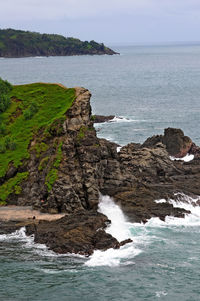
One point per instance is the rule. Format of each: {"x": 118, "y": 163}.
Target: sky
{"x": 108, "y": 21}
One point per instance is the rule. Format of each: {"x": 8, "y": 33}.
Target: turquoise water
{"x": 151, "y": 88}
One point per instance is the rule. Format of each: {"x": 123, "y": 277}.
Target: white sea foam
{"x": 17, "y": 235}
{"x": 120, "y": 229}
{"x": 120, "y": 119}
{"x": 113, "y": 257}
{"x": 160, "y": 201}
{"x": 187, "y": 158}
{"x": 182, "y": 201}
{"x": 160, "y": 294}
{"x": 36, "y": 248}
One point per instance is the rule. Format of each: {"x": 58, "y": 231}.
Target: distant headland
{"x": 19, "y": 43}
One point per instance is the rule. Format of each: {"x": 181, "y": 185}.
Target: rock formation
{"x": 135, "y": 177}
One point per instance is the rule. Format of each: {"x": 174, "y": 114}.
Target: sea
{"x": 147, "y": 89}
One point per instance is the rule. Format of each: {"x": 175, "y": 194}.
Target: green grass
{"x": 52, "y": 102}
{"x": 81, "y": 133}
{"x": 12, "y": 186}
{"x": 53, "y": 172}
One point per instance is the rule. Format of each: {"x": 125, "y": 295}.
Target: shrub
{"x": 4, "y": 102}
{"x": 31, "y": 111}
{"x": 2, "y": 148}
{"x": 9, "y": 143}
{"x": 2, "y": 129}
{"x": 5, "y": 86}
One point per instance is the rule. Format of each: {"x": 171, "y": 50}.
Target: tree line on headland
{"x": 19, "y": 43}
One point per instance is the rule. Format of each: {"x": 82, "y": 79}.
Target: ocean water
{"x": 151, "y": 88}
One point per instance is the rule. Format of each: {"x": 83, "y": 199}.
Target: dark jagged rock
{"x": 177, "y": 144}
{"x": 9, "y": 227}
{"x": 101, "y": 118}
{"x": 194, "y": 150}
{"x": 81, "y": 233}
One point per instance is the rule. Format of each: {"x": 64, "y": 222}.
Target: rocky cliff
{"x": 68, "y": 166}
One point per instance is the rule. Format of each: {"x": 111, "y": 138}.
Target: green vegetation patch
{"x": 39, "y": 148}
{"x": 43, "y": 163}
{"x": 81, "y": 133}
{"x": 53, "y": 172}
{"x": 5, "y": 88}
{"x": 52, "y": 102}
{"x": 12, "y": 186}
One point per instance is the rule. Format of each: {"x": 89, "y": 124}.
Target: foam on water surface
{"x": 141, "y": 234}
{"x": 187, "y": 158}
{"x": 120, "y": 229}
{"x": 184, "y": 202}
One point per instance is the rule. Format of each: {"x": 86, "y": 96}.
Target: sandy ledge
{"x": 20, "y": 213}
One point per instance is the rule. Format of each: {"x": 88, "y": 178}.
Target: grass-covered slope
{"x": 18, "y": 43}
{"x": 33, "y": 110}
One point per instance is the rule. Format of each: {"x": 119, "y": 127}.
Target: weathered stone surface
{"x": 81, "y": 233}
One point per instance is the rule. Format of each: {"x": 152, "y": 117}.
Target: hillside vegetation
{"x": 33, "y": 113}
{"x": 18, "y": 43}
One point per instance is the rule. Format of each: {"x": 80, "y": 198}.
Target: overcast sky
{"x": 109, "y": 21}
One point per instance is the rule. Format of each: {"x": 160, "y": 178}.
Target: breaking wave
{"x": 187, "y": 158}
{"x": 125, "y": 119}
{"x": 182, "y": 201}
{"x": 119, "y": 228}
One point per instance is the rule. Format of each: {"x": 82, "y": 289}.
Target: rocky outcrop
{"x": 85, "y": 166}
{"x": 177, "y": 144}
{"x": 102, "y": 118}
{"x": 80, "y": 233}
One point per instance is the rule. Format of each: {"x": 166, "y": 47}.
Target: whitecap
{"x": 187, "y": 158}
{"x": 119, "y": 148}
{"x": 36, "y": 248}
{"x": 160, "y": 294}
{"x": 120, "y": 119}
{"x": 160, "y": 201}
{"x": 119, "y": 228}
{"x": 113, "y": 257}
{"x": 182, "y": 201}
